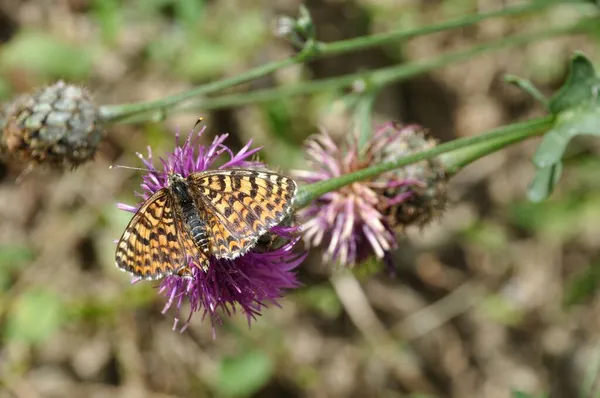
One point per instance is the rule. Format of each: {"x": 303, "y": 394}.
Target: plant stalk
{"x": 381, "y": 77}
{"x": 114, "y": 113}
{"x": 497, "y": 139}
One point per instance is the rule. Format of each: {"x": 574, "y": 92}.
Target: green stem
{"x": 518, "y": 131}
{"x": 380, "y": 39}
{"x": 381, "y": 77}
{"x": 363, "y": 116}
{"x": 456, "y": 160}
{"x": 319, "y": 50}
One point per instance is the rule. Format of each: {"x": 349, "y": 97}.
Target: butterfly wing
{"x": 153, "y": 244}
{"x": 239, "y": 206}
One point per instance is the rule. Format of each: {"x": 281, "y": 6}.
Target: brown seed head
{"x": 56, "y": 126}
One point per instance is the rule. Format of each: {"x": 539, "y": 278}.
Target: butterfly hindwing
{"x": 150, "y": 247}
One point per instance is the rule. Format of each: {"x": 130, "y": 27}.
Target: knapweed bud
{"x": 56, "y": 126}
{"x": 416, "y": 193}
{"x": 300, "y": 32}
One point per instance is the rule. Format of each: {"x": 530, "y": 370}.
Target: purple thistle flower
{"x": 249, "y": 282}
{"x": 359, "y": 220}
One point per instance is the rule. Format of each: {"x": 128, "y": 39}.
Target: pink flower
{"x": 249, "y": 282}
{"x": 359, "y": 220}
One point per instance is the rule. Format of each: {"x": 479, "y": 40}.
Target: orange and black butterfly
{"x": 219, "y": 213}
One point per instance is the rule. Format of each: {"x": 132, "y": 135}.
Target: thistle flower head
{"x": 360, "y": 220}
{"x": 249, "y": 282}
{"x": 57, "y": 126}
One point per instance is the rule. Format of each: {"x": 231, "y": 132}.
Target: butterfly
{"x": 219, "y": 213}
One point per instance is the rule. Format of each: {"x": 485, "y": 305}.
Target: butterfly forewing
{"x": 150, "y": 246}
{"x": 240, "y": 205}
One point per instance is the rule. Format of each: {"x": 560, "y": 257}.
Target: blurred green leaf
{"x": 5, "y": 89}
{"x": 250, "y": 32}
{"x": 581, "y": 86}
{"x": 208, "y": 59}
{"x": 522, "y": 394}
{"x": 189, "y": 12}
{"x": 244, "y": 375}
{"x": 279, "y": 117}
{"x": 544, "y": 182}
{"x": 45, "y": 55}
{"x": 559, "y": 219}
{"x": 107, "y": 14}
{"x": 323, "y": 299}
{"x": 501, "y": 310}
{"x": 12, "y": 258}
{"x": 553, "y": 218}
{"x": 34, "y": 317}
{"x": 582, "y": 286}
{"x": 487, "y": 235}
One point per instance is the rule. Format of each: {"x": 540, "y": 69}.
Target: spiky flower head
{"x": 361, "y": 219}
{"x": 57, "y": 126}
{"x": 247, "y": 283}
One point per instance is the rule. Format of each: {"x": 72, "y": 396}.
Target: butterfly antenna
{"x": 118, "y": 166}
{"x": 200, "y": 120}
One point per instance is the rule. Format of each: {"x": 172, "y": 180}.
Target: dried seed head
{"x": 55, "y": 126}
{"x": 421, "y": 193}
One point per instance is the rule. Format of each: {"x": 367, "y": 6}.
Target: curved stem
{"x": 382, "y": 76}
{"x": 364, "y": 42}
{"x": 456, "y": 160}
{"x": 518, "y": 132}
{"x": 319, "y": 50}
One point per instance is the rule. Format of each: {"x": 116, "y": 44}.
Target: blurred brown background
{"x": 498, "y": 294}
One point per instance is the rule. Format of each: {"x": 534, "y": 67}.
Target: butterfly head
{"x": 175, "y": 178}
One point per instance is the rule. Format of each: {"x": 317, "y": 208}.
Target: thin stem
{"x": 116, "y": 112}
{"x": 364, "y": 42}
{"x": 528, "y": 129}
{"x": 319, "y": 50}
{"x": 381, "y": 77}
{"x": 528, "y": 87}
{"x": 363, "y": 117}
{"x": 456, "y": 160}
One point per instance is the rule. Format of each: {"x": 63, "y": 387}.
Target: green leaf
{"x": 581, "y": 86}
{"x": 583, "y": 120}
{"x": 322, "y": 299}
{"x": 520, "y": 394}
{"x": 544, "y": 182}
{"x": 34, "y": 317}
{"x": 577, "y": 113}
{"x": 107, "y": 13}
{"x": 12, "y": 258}
{"x": 583, "y": 286}
{"x": 45, "y": 55}
{"x": 244, "y": 375}
{"x": 528, "y": 87}
{"x": 279, "y": 118}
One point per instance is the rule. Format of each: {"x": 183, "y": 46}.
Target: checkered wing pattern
{"x": 239, "y": 206}
{"x": 155, "y": 242}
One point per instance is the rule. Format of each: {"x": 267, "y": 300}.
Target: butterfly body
{"x": 217, "y": 213}
{"x": 188, "y": 210}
